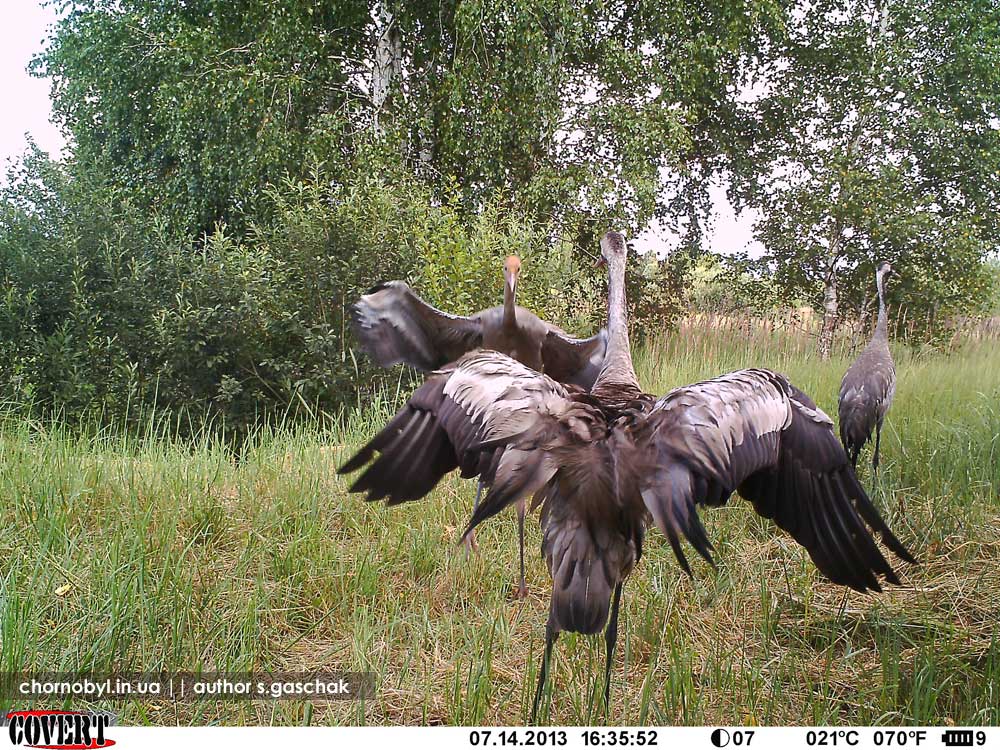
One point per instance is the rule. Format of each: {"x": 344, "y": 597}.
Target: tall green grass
{"x": 179, "y": 557}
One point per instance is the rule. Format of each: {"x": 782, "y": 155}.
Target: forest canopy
{"x": 239, "y": 172}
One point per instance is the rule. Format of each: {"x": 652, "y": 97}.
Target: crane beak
{"x": 601, "y": 262}
{"x": 511, "y": 279}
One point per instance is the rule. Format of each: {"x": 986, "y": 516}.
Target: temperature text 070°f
{"x": 899, "y": 737}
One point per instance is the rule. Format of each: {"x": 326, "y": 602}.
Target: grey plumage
{"x": 604, "y": 465}
{"x": 394, "y": 325}
{"x": 869, "y": 385}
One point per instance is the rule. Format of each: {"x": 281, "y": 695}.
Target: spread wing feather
{"x": 576, "y": 361}
{"x": 754, "y": 432}
{"x": 486, "y": 414}
{"x": 525, "y": 435}
{"x": 394, "y": 325}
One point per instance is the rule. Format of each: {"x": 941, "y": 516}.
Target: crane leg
{"x": 522, "y": 591}
{"x": 471, "y": 545}
{"x": 551, "y": 634}
{"x": 878, "y": 439}
{"x": 610, "y": 639}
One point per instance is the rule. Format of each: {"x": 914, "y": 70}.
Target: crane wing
{"x": 486, "y": 414}
{"x": 394, "y": 325}
{"x": 754, "y": 432}
{"x": 576, "y": 361}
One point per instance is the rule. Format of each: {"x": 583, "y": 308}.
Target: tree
{"x": 573, "y": 110}
{"x": 875, "y": 137}
{"x": 193, "y": 108}
{"x": 599, "y": 113}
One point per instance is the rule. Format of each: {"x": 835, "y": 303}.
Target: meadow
{"x": 147, "y": 553}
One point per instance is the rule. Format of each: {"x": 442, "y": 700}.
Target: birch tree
{"x": 876, "y": 137}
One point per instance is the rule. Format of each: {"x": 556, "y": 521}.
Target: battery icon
{"x": 957, "y": 738}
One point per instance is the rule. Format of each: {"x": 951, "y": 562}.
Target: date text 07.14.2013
{"x": 560, "y": 737}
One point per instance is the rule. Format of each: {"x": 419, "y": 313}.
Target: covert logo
{"x": 58, "y": 730}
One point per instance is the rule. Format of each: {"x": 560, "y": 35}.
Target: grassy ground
{"x": 168, "y": 557}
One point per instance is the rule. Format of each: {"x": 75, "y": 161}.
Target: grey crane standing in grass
{"x": 604, "y": 464}
{"x": 394, "y": 325}
{"x": 869, "y": 384}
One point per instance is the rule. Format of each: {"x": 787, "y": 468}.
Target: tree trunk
{"x": 829, "y": 316}
{"x": 388, "y": 60}
{"x": 830, "y": 299}
{"x": 426, "y": 155}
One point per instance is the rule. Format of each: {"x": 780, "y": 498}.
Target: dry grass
{"x": 179, "y": 558}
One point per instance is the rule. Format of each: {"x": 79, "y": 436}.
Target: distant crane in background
{"x": 869, "y": 384}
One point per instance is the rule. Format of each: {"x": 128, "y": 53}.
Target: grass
{"x": 178, "y": 558}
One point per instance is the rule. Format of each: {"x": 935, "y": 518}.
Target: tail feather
{"x": 857, "y": 420}
{"x": 581, "y": 592}
{"x": 586, "y": 562}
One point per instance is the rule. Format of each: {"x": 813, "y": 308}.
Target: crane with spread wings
{"x": 605, "y": 465}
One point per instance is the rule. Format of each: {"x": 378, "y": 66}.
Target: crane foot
{"x": 471, "y": 545}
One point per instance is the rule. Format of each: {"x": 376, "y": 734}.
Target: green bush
{"x": 105, "y": 310}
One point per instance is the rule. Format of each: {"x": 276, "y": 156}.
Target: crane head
{"x": 612, "y": 246}
{"x": 511, "y": 270}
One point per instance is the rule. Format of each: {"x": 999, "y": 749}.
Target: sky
{"x": 26, "y": 99}
{"x": 728, "y": 232}
{"x": 23, "y": 31}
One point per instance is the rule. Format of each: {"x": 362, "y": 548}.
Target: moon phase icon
{"x": 720, "y": 738}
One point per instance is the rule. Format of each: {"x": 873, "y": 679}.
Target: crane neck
{"x": 509, "y": 308}
{"x": 617, "y": 376}
{"x": 882, "y": 326}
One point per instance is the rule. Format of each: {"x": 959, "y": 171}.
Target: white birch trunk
{"x": 388, "y": 60}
